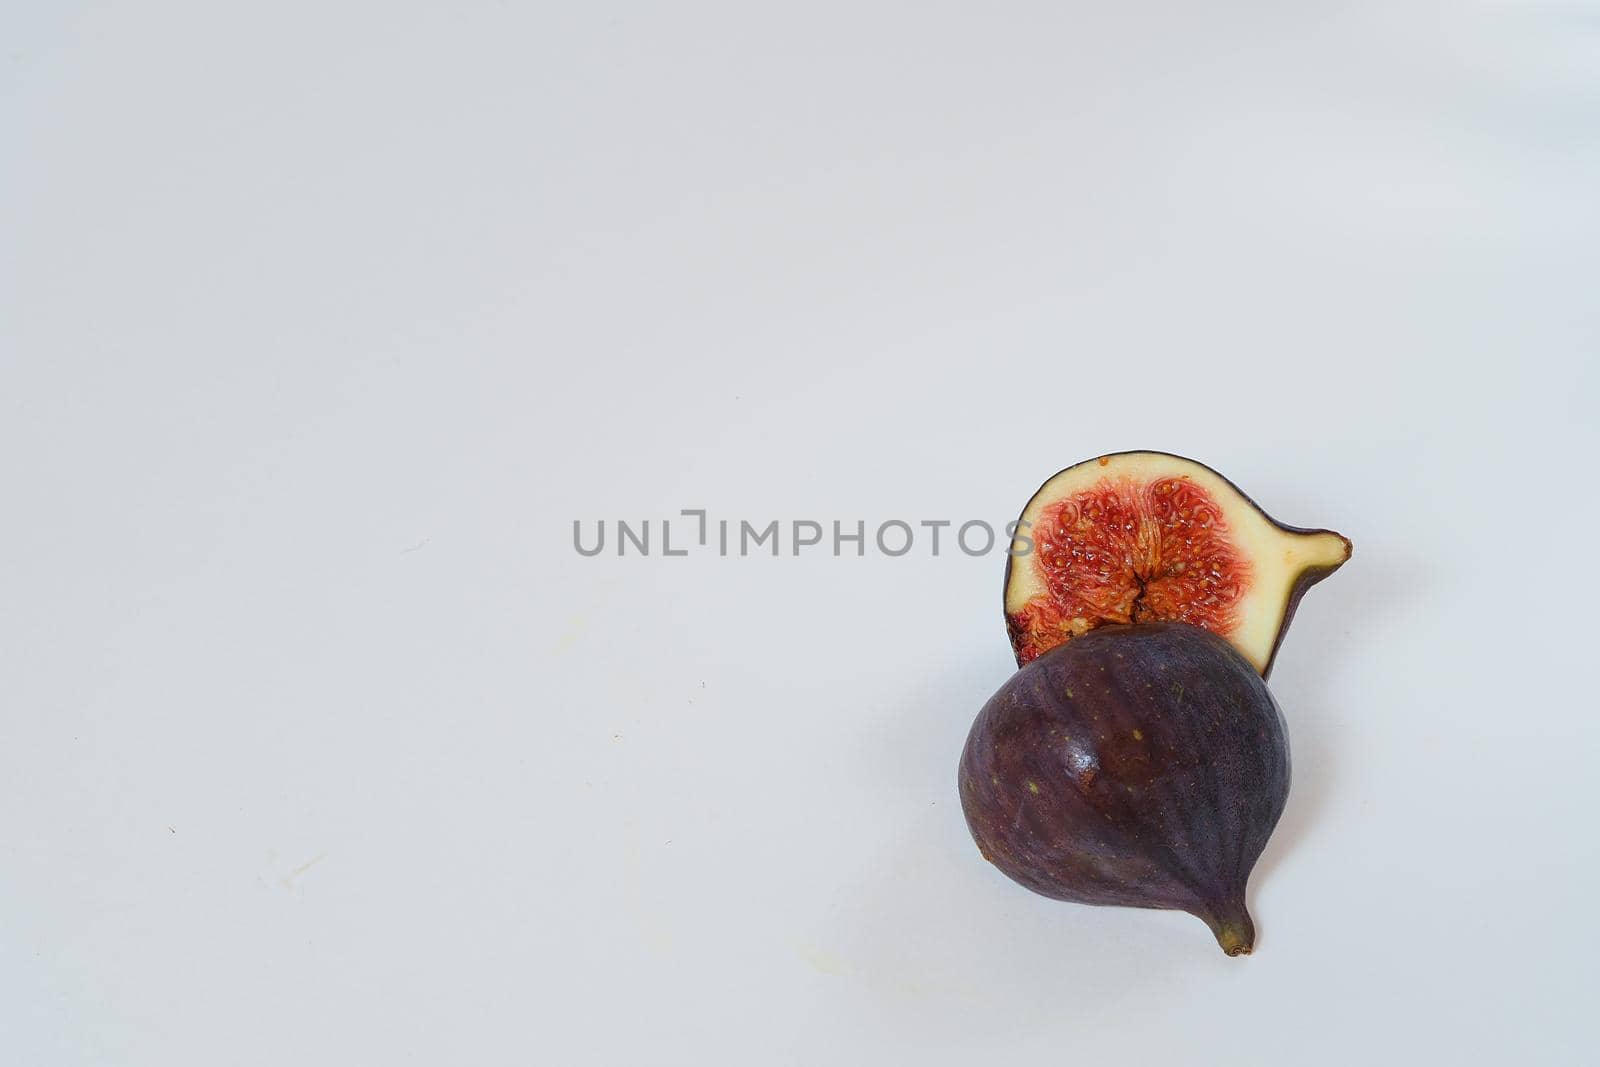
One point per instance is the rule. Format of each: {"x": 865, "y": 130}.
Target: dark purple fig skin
{"x": 1142, "y": 766}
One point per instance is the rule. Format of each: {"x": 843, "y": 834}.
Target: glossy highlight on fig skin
{"x": 1142, "y": 766}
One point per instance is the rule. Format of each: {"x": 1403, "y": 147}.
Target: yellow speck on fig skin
{"x": 1033, "y": 787}
{"x": 1138, "y": 735}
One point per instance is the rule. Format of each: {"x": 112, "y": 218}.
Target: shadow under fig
{"x": 1321, "y": 644}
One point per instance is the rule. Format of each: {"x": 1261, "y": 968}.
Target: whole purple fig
{"x": 1143, "y": 766}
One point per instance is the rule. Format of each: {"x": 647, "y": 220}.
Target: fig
{"x": 1140, "y": 765}
{"x": 1140, "y": 537}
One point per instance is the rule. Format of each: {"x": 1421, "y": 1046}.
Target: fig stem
{"x": 1233, "y": 927}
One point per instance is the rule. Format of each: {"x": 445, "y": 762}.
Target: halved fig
{"x": 1149, "y": 537}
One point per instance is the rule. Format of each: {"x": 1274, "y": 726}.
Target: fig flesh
{"x": 1146, "y": 537}
{"x": 1143, "y": 766}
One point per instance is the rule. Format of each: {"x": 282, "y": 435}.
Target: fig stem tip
{"x": 1234, "y": 940}
{"x": 1235, "y": 931}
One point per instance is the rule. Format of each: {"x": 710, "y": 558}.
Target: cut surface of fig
{"x": 1139, "y": 537}
{"x": 1142, "y": 766}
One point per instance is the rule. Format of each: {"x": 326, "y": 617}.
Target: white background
{"x": 321, "y": 323}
